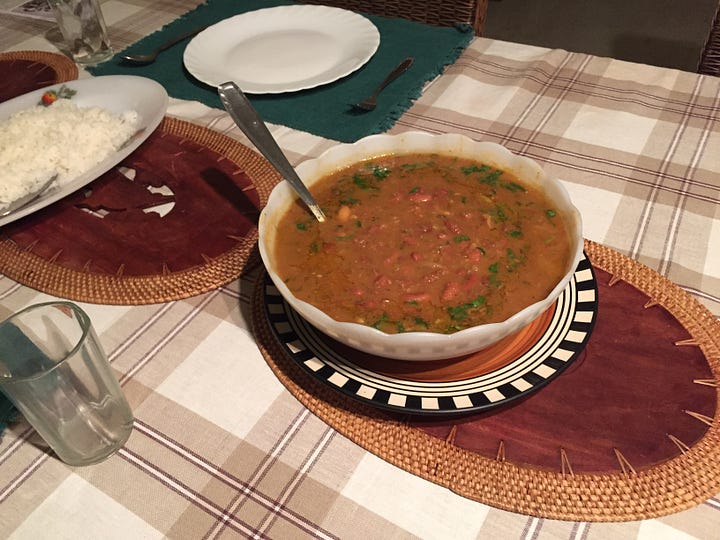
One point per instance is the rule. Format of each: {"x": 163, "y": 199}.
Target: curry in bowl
{"x": 422, "y": 240}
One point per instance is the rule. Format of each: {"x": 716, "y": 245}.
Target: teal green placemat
{"x": 324, "y": 110}
{"x": 7, "y": 413}
{"x": 19, "y": 355}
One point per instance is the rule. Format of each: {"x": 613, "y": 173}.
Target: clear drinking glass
{"x": 55, "y": 372}
{"x": 83, "y": 29}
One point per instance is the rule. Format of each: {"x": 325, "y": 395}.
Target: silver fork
{"x": 26, "y": 199}
{"x": 370, "y": 103}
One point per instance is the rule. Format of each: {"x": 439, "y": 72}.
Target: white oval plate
{"x": 282, "y": 49}
{"x": 114, "y": 93}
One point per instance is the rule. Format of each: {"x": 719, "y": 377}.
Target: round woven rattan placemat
{"x": 133, "y": 257}
{"x": 25, "y": 71}
{"x": 690, "y": 476}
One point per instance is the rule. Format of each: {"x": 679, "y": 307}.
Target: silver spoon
{"x": 149, "y": 58}
{"x": 370, "y": 103}
{"x": 26, "y": 199}
{"x": 249, "y": 121}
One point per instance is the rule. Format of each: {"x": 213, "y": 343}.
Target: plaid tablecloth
{"x": 221, "y": 449}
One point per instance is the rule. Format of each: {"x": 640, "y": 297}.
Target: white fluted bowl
{"x": 418, "y": 346}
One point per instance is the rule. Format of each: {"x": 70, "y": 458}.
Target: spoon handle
{"x": 249, "y": 121}
{"x": 26, "y": 199}
{"x": 178, "y": 39}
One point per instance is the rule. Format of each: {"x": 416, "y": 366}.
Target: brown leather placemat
{"x": 102, "y": 244}
{"x": 25, "y": 71}
{"x": 629, "y": 431}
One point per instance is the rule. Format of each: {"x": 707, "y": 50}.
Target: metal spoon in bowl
{"x": 249, "y": 121}
{"x": 26, "y": 199}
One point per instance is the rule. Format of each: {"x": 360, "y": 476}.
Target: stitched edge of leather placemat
{"x": 671, "y": 486}
{"x": 48, "y": 276}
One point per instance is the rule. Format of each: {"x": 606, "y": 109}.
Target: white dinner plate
{"x": 282, "y": 49}
{"x": 114, "y": 93}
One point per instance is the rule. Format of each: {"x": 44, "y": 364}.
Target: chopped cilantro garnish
{"x": 363, "y": 182}
{"x": 380, "y": 172}
{"x": 461, "y": 238}
{"x": 414, "y": 190}
{"x": 349, "y": 202}
{"x": 512, "y": 186}
{"x": 380, "y": 321}
{"x": 415, "y": 166}
{"x": 474, "y": 169}
{"x": 301, "y": 226}
{"x": 459, "y": 313}
{"x": 514, "y": 259}
{"x": 515, "y": 233}
{"x": 419, "y": 321}
{"x": 550, "y": 213}
{"x": 498, "y": 213}
{"x": 314, "y": 248}
{"x": 491, "y": 178}
{"x": 494, "y": 280}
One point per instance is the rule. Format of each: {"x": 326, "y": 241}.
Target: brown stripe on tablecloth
{"x": 555, "y": 99}
{"x": 679, "y": 203}
{"x": 116, "y": 345}
{"x": 256, "y": 478}
{"x": 157, "y": 349}
{"x": 21, "y": 29}
{"x": 570, "y": 160}
{"x": 653, "y": 101}
{"x": 179, "y": 475}
{"x": 183, "y": 494}
{"x": 290, "y": 487}
{"x": 25, "y": 459}
{"x": 237, "y": 471}
{"x": 645, "y": 222}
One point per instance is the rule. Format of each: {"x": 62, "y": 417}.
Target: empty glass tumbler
{"x": 55, "y": 372}
{"x": 83, "y": 29}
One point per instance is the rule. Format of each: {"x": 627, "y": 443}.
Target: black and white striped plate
{"x": 568, "y": 332}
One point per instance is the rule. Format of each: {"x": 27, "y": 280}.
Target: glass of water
{"x": 83, "y": 29}
{"x": 53, "y": 369}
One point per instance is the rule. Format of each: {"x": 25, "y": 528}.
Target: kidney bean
{"x": 450, "y": 291}
{"x": 417, "y": 297}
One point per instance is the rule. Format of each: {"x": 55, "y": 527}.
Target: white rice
{"x": 62, "y": 139}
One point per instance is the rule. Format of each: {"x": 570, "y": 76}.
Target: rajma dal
{"x": 423, "y": 242}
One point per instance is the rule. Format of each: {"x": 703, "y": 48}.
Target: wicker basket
{"x": 435, "y": 12}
